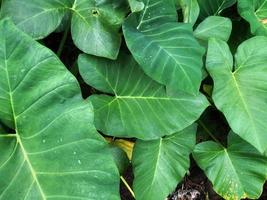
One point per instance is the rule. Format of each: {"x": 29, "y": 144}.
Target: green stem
{"x": 8, "y": 135}
{"x": 208, "y": 131}
{"x": 127, "y": 186}
{"x": 63, "y": 40}
{"x": 74, "y": 69}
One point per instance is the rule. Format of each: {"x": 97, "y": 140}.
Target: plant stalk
{"x": 63, "y": 40}
{"x": 208, "y": 131}
{"x": 127, "y": 186}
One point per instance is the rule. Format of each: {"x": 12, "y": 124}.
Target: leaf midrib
{"x": 233, "y": 168}
{"x": 154, "y": 171}
{"x": 24, "y": 152}
{"x": 209, "y": 28}
{"x": 247, "y": 110}
{"x": 116, "y": 98}
{"x": 144, "y": 13}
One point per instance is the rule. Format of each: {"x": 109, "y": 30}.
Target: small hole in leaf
{"x": 95, "y": 12}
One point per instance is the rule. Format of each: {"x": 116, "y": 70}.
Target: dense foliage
{"x": 155, "y": 84}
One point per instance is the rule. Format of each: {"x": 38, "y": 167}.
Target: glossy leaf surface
{"x": 137, "y": 106}
{"x": 160, "y": 164}
{"x": 56, "y": 152}
{"x": 94, "y": 24}
{"x": 166, "y": 50}
{"x": 237, "y": 171}
{"x": 38, "y": 18}
{"x": 240, "y": 91}
{"x": 214, "y": 27}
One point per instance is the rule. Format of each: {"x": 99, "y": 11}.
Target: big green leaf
{"x": 213, "y": 7}
{"x": 94, "y": 24}
{"x": 190, "y": 10}
{"x": 56, "y": 152}
{"x": 137, "y": 106}
{"x": 166, "y": 50}
{"x": 36, "y": 17}
{"x": 255, "y": 12}
{"x": 160, "y": 164}
{"x": 237, "y": 171}
{"x": 240, "y": 93}
{"x": 214, "y": 26}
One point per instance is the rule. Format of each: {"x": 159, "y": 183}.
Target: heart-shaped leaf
{"x": 214, "y": 27}
{"x": 237, "y": 171}
{"x": 94, "y": 24}
{"x": 159, "y": 165}
{"x": 241, "y": 93}
{"x": 141, "y": 107}
{"x": 56, "y": 152}
{"x": 166, "y": 50}
{"x": 255, "y": 12}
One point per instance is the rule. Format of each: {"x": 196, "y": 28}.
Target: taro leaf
{"x": 164, "y": 48}
{"x": 138, "y": 106}
{"x": 241, "y": 94}
{"x": 56, "y": 152}
{"x": 237, "y": 171}
{"x": 160, "y": 164}
{"x": 255, "y": 12}
{"x": 38, "y": 18}
{"x": 190, "y": 10}
{"x": 94, "y": 24}
{"x": 213, "y": 7}
{"x": 136, "y": 5}
{"x": 214, "y": 27}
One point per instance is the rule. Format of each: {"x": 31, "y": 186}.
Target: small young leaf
{"x": 141, "y": 107}
{"x": 159, "y": 165}
{"x": 56, "y": 152}
{"x": 238, "y": 171}
{"x": 241, "y": 94}
{"x": 214, "y": 27}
